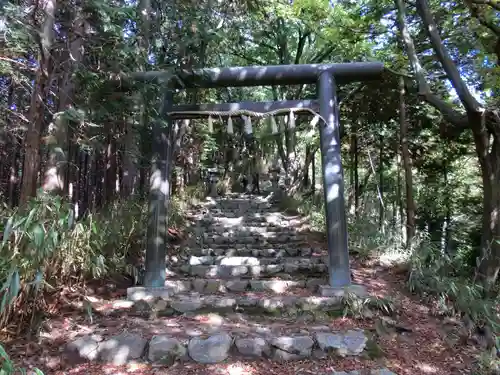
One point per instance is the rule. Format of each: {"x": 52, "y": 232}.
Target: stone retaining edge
{"x": 165, "y": 349}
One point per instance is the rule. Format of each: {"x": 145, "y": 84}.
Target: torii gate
{"x": 326, "y": 76}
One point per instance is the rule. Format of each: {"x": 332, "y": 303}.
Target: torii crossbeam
{"x": 326, "y": 76}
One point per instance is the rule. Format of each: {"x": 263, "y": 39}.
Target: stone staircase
{"x": 246, "y": 286}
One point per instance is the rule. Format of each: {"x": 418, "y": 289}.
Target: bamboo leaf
{"x": 15, "y": 285}
{"x": 38, "y": 235}
{"x": 7, "y": 231}
{"x": 3, "y": 353}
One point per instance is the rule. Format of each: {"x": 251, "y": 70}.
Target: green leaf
{"x": 38, "y": 235}
{"x": 15, "y": 285}
{"x": 29, "y": 219}
{"x": 3, "y": 353}
{"x": 71, "y": 218}
{"x": 54, "y": 236}
{"x": 7, "y": 230}
{"x": 6, "y": 285}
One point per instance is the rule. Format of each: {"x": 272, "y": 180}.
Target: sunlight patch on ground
{"x": 394, "y": 256}
{"x": 427, "y": 368}
{"x": 237, "y": 369}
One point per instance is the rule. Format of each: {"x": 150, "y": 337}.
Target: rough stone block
{"x": 289, "y": 347}
{"x": 239, "y": 261}
{"x": 352, "y": 342}
{"x": 139, "y": 293}
{"x": 291, "y": 267}
{"x": 165, "y": 350}
{"x": 187, "y": 304}
{"x": 328, "y": 291}
{"x": 121, "y": 349}
{"x": 211, "y": 350}
{"x": 85, "y": 348}
{"x": 275, "y": 303}
{"x": 199, "y": 285}
{"x": 313, "y": 284}
{"x": 276, "y": 286}
{"x": 201, "y": 261}
{"x": 283, "y": 356}
{"x": 306, "y": 252}
{"x": 237, "y": 285}
{"x": 274, "y": 268}
{"x": 253, "y": 347}
{"x": 178, "y": 286}
{"x": 214, "y": 286}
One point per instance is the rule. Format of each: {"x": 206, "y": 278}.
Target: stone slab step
{"x": 165, "y": 349}
{"x": 249, "y": 232}
{"x": 247, "y": 208}
{"x": 214, "y": 286}
{"x": 249, "y": 237}
{"x": 271, "y": 270}
{"x": 256, "y": 240}
{"x": 236, "y": 223}
{"x": 275, "y": 251}
{"x": 255, "y": 246}
{"x": 250, "y": 229}
{"x": 301, "y": 262}
{"x": 243, "y": 215}
{"x": 144, "y": 300}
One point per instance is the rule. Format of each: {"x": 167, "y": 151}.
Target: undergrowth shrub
{"x": 444, "y": 280}
{"x": 8, "y": 367}
{"x": 310, "y": 206}
{"x": 44, "y": 249}
{"x": 365, "y": 237}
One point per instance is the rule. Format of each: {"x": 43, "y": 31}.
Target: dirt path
{"x": 424, "y": 350}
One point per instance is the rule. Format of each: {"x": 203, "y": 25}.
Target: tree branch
{"x": 248, "y": 58}
{"x": 322, "y": 55}
{"x": 463, "y": 92}
{"x": 495, "y": 4}
{"x": 481, "y": 17}
{"x": 424, "y": 91}
{"x": 300, "y": 46}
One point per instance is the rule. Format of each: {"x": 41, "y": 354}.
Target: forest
{"x": 420, "y": 154}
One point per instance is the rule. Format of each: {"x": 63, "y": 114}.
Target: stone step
{"x": 165, "y": 349}
{"x": 300, "y": 262}
{"x": 271, "y": 270}
{"x": 268, "y": 230}
{"x": 256, "y": 246}
{"x": 255, "y": 251}
{"x": 214, "y": 286}
{"x": 207, "y": 224}
{"x": 256, "y": 239}
{"x": 243, "y": 215}
{"x": 236, "y": 234}
{"x": 143, "y": 301}
{"x": 248, "y": 208}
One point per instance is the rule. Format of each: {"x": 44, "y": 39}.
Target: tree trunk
{"x": 355, "y": 164}
{"x": 381, "y": 212}
{"x": 405, "y": 154}
{"x": 31, "y": 165}
{"x": 111, "y": 169}
{"x": 57, "y": 170}
{"x": 313, "y": 167}
{"x": 489, "y": 261}
{"x": 305, "y": 175}
{"x": 399, "y": 209}
{"x": 129, "y": 160}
